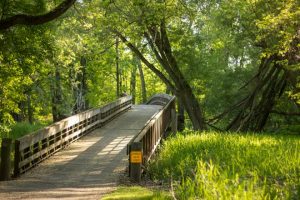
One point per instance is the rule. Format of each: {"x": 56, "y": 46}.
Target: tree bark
{"x": 29, "y": 109}
{"x": 143, "y": 82}
{"x": 57, "y": 97}
{"x": 159, "y": 42}
{"x": 133, "y": 83}
{"x": 180, "y": 116}
{"x": 23, "y": 19}
{"x": 117, "y": 69}
{"x": 81, "y": 88}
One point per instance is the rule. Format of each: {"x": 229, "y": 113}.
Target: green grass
{"x": 231, "y": 166}
{"x": 18, "y": 130}
{"x": 136, "y": 193}
{"x": 23, "y": 128}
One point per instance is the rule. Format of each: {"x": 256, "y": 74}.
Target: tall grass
{"x": 23, "y": 128}
{"x": 231, "y": 166}
{"x": 20, "y": 129}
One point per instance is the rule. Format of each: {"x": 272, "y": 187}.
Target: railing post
{"x": 17, "y": 158}
{"x": 5, "y": 159}
{"x": 135, "y": 161}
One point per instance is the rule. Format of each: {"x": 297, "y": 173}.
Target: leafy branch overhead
{"x": 24, "y": 19}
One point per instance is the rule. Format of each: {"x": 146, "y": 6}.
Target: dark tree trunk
{"x": 133, "y": 83}
{"x": 180, "y": 116}
{"x": 57, "y": 98}
{"x": 20, "y": 116}
{"x": 117, "y": 68}
{"x": 143, "y": 83}
{"x": 81, "y": 88}
{"x": 162, "y": 48}
{"x": 254, "y": 110}
{"x": 159, "y": 43}
{"x": 29, "y": 109}
{"x": 192, "y": 107}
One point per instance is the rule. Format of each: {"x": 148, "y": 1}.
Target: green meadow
{"x": 215, "y": 165}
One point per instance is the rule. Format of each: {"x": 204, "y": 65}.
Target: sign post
{"x": 135, "y": 159}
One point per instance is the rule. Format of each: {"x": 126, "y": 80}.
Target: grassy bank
{"x": 231, "y": 166}
{"x": 136, "y": 193}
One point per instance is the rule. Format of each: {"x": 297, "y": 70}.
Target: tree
{"x": 273, "y": 28}
{"x": 153, "y": 26}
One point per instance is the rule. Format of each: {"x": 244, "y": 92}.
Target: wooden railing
{"x": 34, "y": 148}
{"x": 144, "y": 144}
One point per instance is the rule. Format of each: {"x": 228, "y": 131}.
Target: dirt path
{"x": 88, "y": 168}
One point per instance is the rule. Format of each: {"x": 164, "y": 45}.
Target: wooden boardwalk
{"x": 88, "y": 168}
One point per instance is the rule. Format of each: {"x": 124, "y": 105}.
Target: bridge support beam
{"x": 135, "y": 160}
{"x": 5, "y": 159}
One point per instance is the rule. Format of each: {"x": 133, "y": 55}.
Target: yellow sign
{"x": 136, "y": 157}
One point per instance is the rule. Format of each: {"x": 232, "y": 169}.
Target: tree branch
{"x": 146, "y": 62}
{"x": 285, "y": 113}
{"x": 24, "y": 19}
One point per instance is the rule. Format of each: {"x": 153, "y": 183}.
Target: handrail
{"x": 159, "y": 99}
{"x": 34, "y": 148}
{"x": 147, "y": 140}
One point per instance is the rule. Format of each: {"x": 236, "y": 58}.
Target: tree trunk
{"x": 20, "y": 116}
{"x": 29, "y": 109}
{"x": 143, "y": 83}
{"x": 192, "y": 107}
{"x": 180, "y": 116}
{"x": 161, "y": 47}
{"x": 57, "y": 97}
{"x": 81, "y": 88}
{"x": 133, "y": 83}
{"x": 117, "y": 68}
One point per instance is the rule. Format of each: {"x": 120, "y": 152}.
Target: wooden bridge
{"x": 48, "y": 164}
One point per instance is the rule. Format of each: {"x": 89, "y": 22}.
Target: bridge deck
{"x": 86, "y": 169}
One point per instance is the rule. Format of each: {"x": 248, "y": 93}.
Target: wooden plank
{"x": 114, "y": 114}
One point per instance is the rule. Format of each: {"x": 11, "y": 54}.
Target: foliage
{"x": 221, "y": 165}
{"x": 218, "y": 46}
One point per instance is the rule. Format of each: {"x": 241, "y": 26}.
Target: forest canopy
{"x": 232, "y": 64}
